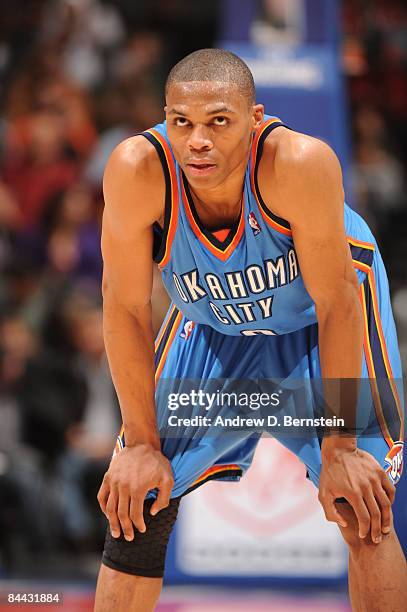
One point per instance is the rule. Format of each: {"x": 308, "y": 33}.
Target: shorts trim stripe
{"x": 162, "y": 344}
{"x": 371, "y": 370}
{"x": 359, "y": 243}
{"x": 216, "y": 472}
{"x": 384, "y": 390}
{"x": 167, "y": 341}
{"x": 361, "y": 266}
{"x": 380, "y": 347}
{"x": 361, "y": 254}
{"x": 164, "y": 326}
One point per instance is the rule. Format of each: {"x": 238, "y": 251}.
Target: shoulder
{"x": 295, "y": 168}
{"x": 302, "y": 153}
{"x": 133, "y": 176}
{"x": 135, "y": 159}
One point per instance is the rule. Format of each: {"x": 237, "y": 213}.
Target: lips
{"x": 201, "y": 167}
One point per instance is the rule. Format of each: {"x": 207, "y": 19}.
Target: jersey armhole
{"x": 162, "y": 235}
{"x": 278, "y": 223}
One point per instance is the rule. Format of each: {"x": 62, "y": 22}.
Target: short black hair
{"x": 214, "y": 65}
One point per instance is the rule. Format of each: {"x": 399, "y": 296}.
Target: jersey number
{"x": 258, "y": 332}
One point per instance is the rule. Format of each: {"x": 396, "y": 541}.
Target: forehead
{"x": 204, "y": 96}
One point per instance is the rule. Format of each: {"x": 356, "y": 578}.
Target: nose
{"x": 199, "y": 139}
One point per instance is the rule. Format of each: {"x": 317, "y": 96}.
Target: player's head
{"x": 211, "y": 114}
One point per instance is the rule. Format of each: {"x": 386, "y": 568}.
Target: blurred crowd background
{"x": 76, "y": 78}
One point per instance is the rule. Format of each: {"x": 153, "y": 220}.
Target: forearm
{"x": 129, "y": 345}
{"x": 340, "y": 347}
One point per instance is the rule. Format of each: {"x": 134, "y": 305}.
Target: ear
{"x": 258, "y": 116}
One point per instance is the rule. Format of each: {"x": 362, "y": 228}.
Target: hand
{"x": 356, "y": 475}
{"x": 132, "y": 473}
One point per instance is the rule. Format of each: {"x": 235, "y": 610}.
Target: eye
{"x": 220, "y": 120}
{"x": 180, "y": 121}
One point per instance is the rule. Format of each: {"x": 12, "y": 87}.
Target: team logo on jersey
{"x": 254, "y": 224}
{"x": 187, "y": 331}
{"x": 395, "y": 460}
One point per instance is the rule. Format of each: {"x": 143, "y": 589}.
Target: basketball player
{"x": 271, "y": 276}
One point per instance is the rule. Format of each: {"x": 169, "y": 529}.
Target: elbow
{"x": 123, "y": 304}
{"x": 342, "y": 304}
{"x": 119, "y": 297}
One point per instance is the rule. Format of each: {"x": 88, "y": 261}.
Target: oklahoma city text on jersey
{"x": 240, "y": 284}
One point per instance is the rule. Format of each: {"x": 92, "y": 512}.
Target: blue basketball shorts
{"x": 203, "y": 374}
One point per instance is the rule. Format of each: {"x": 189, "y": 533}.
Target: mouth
{"x": 200, "y": 168}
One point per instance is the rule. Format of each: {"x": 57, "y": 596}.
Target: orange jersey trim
{"x": 219, "y": 253}
{"x": 174, "y": 196}
{"x": 221, "y": 234}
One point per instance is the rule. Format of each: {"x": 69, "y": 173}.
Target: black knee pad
{"x": 145, "y": 554}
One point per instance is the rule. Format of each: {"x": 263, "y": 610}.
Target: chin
{"x": 209, "y": 180}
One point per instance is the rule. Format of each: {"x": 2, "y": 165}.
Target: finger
{"x": 332, "y": 514}
{"x": 136, "y": 512}
{"x": 375, "y": 516}
{"x": 385, "y": 510}
{"x": 103, "y": 495}
{"x": 362, "y": 515}
{"x": 388, "y": 487}
{"x": 163, "y": 496}
{"x": 123, "y": 512}
{"x": 111, "y": 513}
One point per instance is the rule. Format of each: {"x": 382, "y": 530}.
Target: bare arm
{"x": 127, "y": 285}
{"x": 307, "y": 191}
{"x": 134, "y": 196}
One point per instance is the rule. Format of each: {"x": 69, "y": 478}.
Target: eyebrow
{"x": 220, "y": 109}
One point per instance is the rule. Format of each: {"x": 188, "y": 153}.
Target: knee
{"x": 351, "y": 536}
{"x": 351, "y": 533}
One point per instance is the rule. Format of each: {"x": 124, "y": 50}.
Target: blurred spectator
{"x": 66, "y": 239}
{"x": 89, "y": 30}
{"x": 93, "y": 437}
{"x": 42, "y": 169}
{"x": 140, "y": 109}
{"x": 379, "y": 175}
{"x": 375, "y": 61}
{"x": 10, "y": 220}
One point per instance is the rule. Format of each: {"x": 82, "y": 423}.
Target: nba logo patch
{"x": 187, "y": 331}
{"x": 254, "y": 224}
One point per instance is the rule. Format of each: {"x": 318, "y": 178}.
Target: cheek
{"x": 178, "y": 147}
{"x": 234, "y": 151}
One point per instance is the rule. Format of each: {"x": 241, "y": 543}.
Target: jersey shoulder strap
{"x": 164, "y": 236}
{"x": 277, "y": 223}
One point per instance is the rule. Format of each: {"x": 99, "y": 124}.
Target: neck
{"x": 222, "y": 200}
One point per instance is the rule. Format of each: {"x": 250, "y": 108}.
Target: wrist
{"x": 331, "y": 445}
{"x": 138, "y": 437}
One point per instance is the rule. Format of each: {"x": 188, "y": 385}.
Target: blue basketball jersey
{"x": 250, "y": 283}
